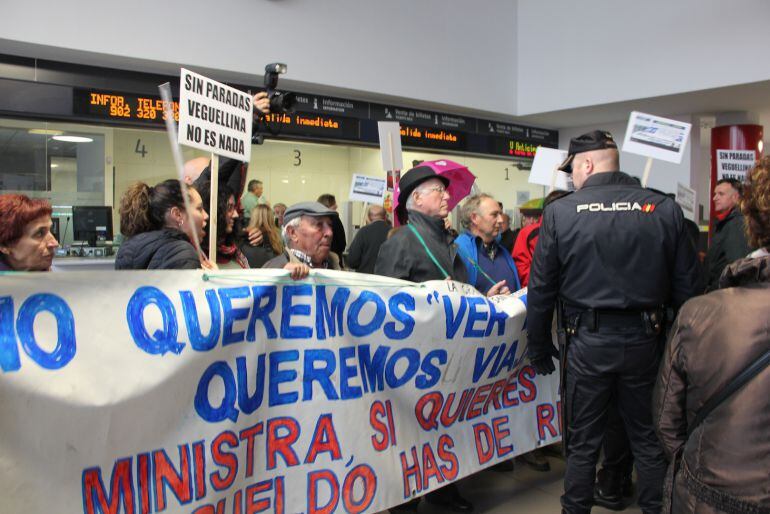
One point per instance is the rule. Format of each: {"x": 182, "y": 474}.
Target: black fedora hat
{"x": 409, "y": 182}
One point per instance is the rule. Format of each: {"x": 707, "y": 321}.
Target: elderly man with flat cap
{"x": 615, "y": 260}
{"x": 307, "y": 233}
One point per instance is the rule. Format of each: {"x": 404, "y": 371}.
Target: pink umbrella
{"x": 460, "y": 182}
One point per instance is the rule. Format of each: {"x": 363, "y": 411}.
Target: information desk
{"x": 83, "y": 263}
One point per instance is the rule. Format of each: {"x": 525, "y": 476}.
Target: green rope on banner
{"x": 280, "y": 281}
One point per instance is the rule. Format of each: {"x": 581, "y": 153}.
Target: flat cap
{"x": 314, "y": 209}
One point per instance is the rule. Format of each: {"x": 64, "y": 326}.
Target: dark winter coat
{"x": 258, "y": 255}
{"x": 403, "y": 256}
{"x": 727, "y": 245}
{"x": 726, "y": 460}
{"x": 362, "y": 254}
{"x": 160, "y": 249}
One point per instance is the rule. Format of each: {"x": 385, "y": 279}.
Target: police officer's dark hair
{"x": 756, "y": 204}
{"x": 735, "y": 184}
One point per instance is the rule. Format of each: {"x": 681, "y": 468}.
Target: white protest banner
{"x": 367, "y": 189}
{"x": 390, "y": 145}
{"x": 243, "y": 391}
{"x": 685, "y": 197}
{"x": 214, "y": 117}
{"x": 656, "y": 137}
{"x": 735, "y": 164}
{"x": 544, "y": 170}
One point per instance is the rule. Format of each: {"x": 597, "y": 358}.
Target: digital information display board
{"x": 120, "y": 106}
{"x": 336, "y": 119}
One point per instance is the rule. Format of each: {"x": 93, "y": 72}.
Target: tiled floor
{"x": 522, "y": 492}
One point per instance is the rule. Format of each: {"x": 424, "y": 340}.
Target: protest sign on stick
{"x": 735, "y": 164}
{"x": 367, "y": 189}
{"x": 218, "y": 118}
{"x": 545, "y": 169}
{"x": 685, "y": 197}
{"x": 655, "y": 137}
{"x": 390, "y": 145}
{"x": 176, "y": 152}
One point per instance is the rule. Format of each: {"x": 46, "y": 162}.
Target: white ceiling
{"x": 753, "y": 98}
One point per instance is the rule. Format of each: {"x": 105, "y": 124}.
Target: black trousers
{"x": 618, "y": 460}
{"x": 444, "y": 494}
{"x": 609, "y": 366}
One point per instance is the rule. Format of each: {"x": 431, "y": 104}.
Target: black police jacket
{"x": 611, "y": 245}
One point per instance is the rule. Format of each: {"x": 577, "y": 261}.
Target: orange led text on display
{"x": 145, "y": 108}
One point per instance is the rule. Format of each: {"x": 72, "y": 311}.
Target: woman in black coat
{"x": 158, "y": 229}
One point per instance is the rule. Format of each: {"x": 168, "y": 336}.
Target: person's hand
{"x": 543, "y": 362}
{"x": 261, "y": 103}
{"x": 208, "y": 265}
{"x": 447, "y": 223}
{"x": 297, "y": 270}
{"x": 499, "y": 288}
{"x": 255, "y": 236}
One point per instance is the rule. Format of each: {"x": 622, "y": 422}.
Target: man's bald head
{"x": 376, "y": 213}
{"x": 588, "y": 163}
{"x": 193, "y": 169}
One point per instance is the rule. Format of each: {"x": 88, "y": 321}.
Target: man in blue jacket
{"x": 486, "y": 260}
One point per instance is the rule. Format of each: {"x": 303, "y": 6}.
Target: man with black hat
{"x": 423, "y": 250}
{"x": 307, "y": 233}
{"x": 618, "y": 259}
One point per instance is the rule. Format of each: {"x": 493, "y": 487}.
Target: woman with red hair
{"x": 26, "y": 240}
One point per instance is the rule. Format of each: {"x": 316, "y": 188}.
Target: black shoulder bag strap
{"x": 747, "y": 374}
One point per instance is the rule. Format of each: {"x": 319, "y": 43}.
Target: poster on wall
{"x": 734, "y": 164}
{"x": 685, "y": 197}
{"x": 367, "y": 189}
{"x": 656, "y": 137}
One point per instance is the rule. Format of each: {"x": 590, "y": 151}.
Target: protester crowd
{"x": 618, "y": 281}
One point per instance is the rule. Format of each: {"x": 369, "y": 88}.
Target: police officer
{"x": 616, "y": 256}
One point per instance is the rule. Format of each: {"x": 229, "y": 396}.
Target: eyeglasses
{"x": 439, "y": 189}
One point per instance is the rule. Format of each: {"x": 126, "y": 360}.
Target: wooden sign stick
{"x": 646, "y": 175}
{"x": 213, "y": 207}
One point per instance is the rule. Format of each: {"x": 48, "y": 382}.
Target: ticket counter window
{"x": 64, "y": 166}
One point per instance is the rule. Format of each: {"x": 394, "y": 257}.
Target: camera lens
{"x": 282, "y": 102}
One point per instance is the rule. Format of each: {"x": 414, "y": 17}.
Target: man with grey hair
{"x": 362, "y": 254}
{"x": 422, "y": 250}
{"x": 486, "y": 261}
{"x": 307, "y": 233}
